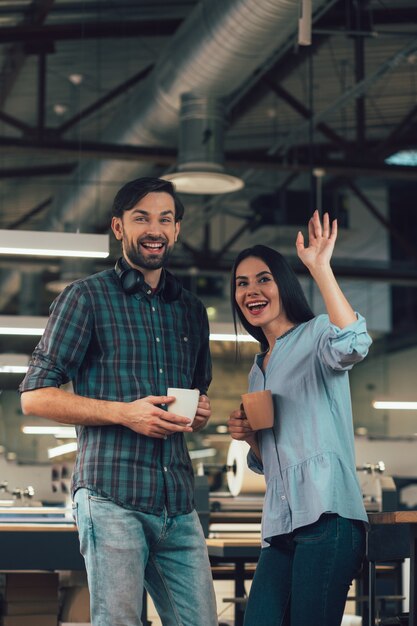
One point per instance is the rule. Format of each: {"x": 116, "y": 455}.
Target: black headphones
{"x": 132, "y": 281}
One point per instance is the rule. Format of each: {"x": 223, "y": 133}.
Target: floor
{"x": 225, "y": 589}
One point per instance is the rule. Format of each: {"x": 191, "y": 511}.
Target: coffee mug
{"x": 259, "y": 409}
{"x": 185, "y": 403}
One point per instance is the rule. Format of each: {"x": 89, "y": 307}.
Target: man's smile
{"x": 153, "y": 246}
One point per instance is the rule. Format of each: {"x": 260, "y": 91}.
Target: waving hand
{"x": 321, "y": 242}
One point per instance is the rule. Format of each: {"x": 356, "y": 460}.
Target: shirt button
{"x": 153, "y": 308}
{"x": 165, "y": 469}
{"x": 283, "y": 498}
{"x": 185, "y": 338}
{"x": 158, "y": 340}
{"x": 149, "y": 292}
{"x": 161, "y": 371}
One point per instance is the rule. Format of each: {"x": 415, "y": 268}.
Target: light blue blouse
{"x": 308, "y": 456}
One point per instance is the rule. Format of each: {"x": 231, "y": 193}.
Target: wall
{"x": 387, "y": 376}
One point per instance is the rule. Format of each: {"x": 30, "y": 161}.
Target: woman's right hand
{"x": 239, "y": 427}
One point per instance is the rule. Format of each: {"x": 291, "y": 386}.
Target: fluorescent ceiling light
{"x": 61, "y": 432}
{"x": 64, "y": 449}
{"x": 202, "y": 454}
{"x": 231, "y": 337}
{"x": 39, "y": 243}
{"x": 13, "y": 363}
{"x": 225, "y": 331}
{"x": 391, "y": 404}
{"x": 204, "y": 183}
{"x": 22, "y": 324}
{"x": 403, "y": 157}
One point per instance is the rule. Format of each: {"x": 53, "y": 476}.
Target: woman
{"x": 313, "y": 523}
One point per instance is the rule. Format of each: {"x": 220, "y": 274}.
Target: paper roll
{"x": 240, "y": 479}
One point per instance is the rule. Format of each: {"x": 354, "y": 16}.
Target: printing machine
{"x": 378, "y": 488}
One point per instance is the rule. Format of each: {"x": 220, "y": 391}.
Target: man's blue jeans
{"x": 125, "y": 551}
{"x": 303, "y": 578}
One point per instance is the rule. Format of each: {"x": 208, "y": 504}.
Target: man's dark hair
{"x": 291, "y": 293}
{"x": 132, "y": 192}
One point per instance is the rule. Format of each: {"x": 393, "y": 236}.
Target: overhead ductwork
{"x": 200, "y": 168}
{"x": 216, "y": 49}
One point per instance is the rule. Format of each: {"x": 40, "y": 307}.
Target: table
{"x": 394, "y": 521}
{"x": 36, "y": 546}
{"x": 238, "y": 551}
{"x": 55, "y": 546}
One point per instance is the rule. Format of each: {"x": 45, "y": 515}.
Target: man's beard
{"x": 135, "y": 256}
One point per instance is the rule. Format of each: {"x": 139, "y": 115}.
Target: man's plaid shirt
{"x": 115, "y": 346}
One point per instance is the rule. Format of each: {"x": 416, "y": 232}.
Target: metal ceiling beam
{"x": 55, "y": 169}
{"x": 14, "y": 122}
{"x": 15, "y": 57}
{"x": 379, "y": 16}
{"x": 32, "y": 213}
{"x": 90, "y": 110}
{"x": 89, "y": 30}
{"x": 399, "y": 131}
{"x": 41, "y": 92}
{"x": 168, "y": 156}
{"x": 300, "y": 108}
{"x": 359, "y": 59}
{"x": 88, "y": 150}
{"x": 406, "y": 245}
{"x": 355, "y": 92}
{"x": 286, "y": 60}
{"x": 111, "y": 95}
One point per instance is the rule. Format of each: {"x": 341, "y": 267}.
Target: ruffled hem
{"x": 320, "y": 484}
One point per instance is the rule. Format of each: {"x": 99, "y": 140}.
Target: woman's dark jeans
{"x": 303, "y": 578}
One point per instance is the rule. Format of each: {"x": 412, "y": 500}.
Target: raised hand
{"x": 321, "y": 241}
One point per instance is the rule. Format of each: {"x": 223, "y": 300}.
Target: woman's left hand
{"x": 321, "y": 242}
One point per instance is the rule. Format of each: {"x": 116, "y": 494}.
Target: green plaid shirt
{"x": 115, "y": 346}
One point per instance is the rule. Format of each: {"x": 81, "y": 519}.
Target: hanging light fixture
{"x": 200, "y": 167}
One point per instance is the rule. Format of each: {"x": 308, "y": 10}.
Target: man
{"x": 123, "y": 336}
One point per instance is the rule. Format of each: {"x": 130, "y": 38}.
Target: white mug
{"x": 185, "y": 403}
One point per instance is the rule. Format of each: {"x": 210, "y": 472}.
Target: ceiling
{"x": 90, "y": 98}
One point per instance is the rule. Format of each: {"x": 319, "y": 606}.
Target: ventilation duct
{"x": 219, "y": 47}
{"x": 200, "y": 167}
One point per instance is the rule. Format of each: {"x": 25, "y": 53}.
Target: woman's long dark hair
{"x": 292, "y": 297}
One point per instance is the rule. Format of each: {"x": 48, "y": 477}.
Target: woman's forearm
{"x": 338, "y": 308}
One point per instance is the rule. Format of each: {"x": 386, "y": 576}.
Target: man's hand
{"x": 203, "y": 413}
{"x": 144, "y": 417}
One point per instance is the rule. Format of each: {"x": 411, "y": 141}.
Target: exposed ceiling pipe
{"x": 216, "y": 49}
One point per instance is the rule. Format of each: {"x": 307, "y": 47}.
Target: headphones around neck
{"x": 132, "y": 281}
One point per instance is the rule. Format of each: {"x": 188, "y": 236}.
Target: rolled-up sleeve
{"x": 62, "y": 347}
{"x": 341, "y": 348}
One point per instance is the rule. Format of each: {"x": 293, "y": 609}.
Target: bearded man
{"x": 123, "y": 336}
